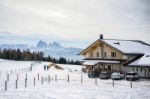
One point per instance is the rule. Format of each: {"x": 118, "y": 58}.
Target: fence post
{"x": 25, "y": 82}
{"x": 49, "y": 78}
{"x": 34, "y": 81}
{"x": 38, "y": 76}
{"x": 55, "y": 77}
{"x": 131, "y": 83}
{"x": 11, "y": 72}
{"x": 68, "y": 78}
{"x": 16, "y": 84}
{"x": 81, "y": 79}
{"x": 26, "y": 76}
{"x": 42, "y": 80}
{"x": 5, "y": 85}
{"x": 95, "y": 80}
{"x": 113, "y": 82}
{"x": 7, "y": 77}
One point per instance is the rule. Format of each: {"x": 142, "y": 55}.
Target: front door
{"x": 109, "y": 67}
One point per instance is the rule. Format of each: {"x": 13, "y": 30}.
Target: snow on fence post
{"x": 5, "y": 85}
{"x": 16, "y": 84}
{"x": 55, "y": 77}
{"x": 130, "y": 83}
{"x": 34, "y": 81}
{"x": 95, "y": 80}
{"x": 113, "y": 82}
{"x": 42, "y": 80}
{"x": 81, "y": 79}
{"x": 68, "y": 78}
{"x": 49, "y": 78}
{"x": 7, "y": 77}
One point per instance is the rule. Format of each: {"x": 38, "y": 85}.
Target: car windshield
{"x": 131, "y": 73}
{"x": 116, "y": 73}
{"x": 104, "y": 73}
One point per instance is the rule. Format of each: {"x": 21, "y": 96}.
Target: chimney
{"x": 101, "y": 36}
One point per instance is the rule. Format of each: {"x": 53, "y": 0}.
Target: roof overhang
{"x": 86, "y": 49}
{"x": 138, "y": 65}
{"x": 95, "y": 62}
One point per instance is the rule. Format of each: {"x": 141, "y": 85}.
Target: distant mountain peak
{"x": 54, "y": 45}
{"x": 41, "y": 44}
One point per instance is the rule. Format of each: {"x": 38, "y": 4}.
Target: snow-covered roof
{"x": 128, "y": 46}
{"x": 143, "y": 61}
{"x": 94, "y": 62}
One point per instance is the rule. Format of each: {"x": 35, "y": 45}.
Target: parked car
{"x": 93, "y": 74}
{"x": 132, "y": 76}
{"x": 105, "y": 75}
{"x": 117, "y": 75}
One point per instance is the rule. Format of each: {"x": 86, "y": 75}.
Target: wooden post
{"x": 34, "y": 81}
{"x": 68, "y": 78}
{"x": 26, "y": 76}
{"x": 49, "y": 78}
{"x": 81, "y": 79}
{"x": 55, "y": 77}
{"x": 11, "y": 72}
{"x": 112, "y": 82}
{"x": 16, "y": 84}
{"x": 42, "y": 80}
{"x": 25, "y": 82}
{"x": 95, "y": 80}
{"x": 5, "y": 85}
{"x": 38, "y": 76}
{"x": 131, "y": 83}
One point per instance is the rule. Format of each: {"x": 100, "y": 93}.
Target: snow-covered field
{"x": 62, "y": 89}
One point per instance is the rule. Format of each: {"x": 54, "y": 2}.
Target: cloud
{"x": 73, "y": 20}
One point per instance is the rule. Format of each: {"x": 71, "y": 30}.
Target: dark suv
{"x": 93, "y": 74}
{"x": 132, "y": 76}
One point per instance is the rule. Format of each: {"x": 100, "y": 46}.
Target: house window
{"x": 113, "y": 54}
{"x": 137, "y": 69}
{"x": 141, "y": 69}
{"x": 97, "y": 54}
{"x": 109, "y": 67}
{"x": 132, "y": 68}
{"x": 105, "y": 54}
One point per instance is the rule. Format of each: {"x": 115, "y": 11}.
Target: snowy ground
{"x": 62, "y": 89}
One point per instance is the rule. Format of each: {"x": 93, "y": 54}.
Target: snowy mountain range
{"x": 53, "y": 49}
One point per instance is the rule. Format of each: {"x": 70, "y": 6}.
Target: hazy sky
{"x": 73, "y": 22}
